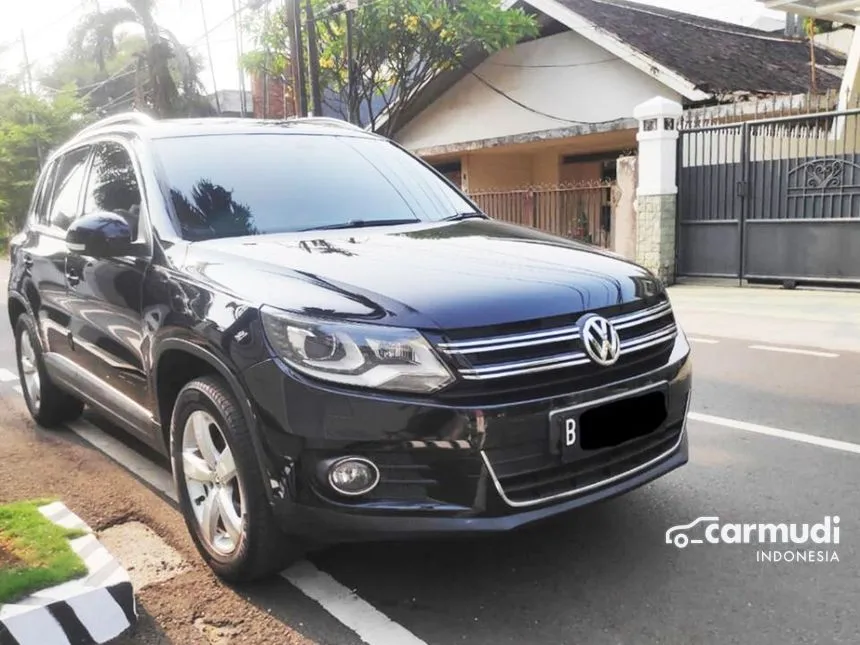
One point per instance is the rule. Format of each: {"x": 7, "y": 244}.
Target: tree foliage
{"x": 398, "y": 45}
{"x": 30, "y": 125}
{"x": 115, "y": 67}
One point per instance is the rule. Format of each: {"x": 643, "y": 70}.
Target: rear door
{"x": 44, "y": 250}
{"x": 105, "y": 294}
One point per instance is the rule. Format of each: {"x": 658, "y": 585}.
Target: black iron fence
{"x": 576, "y": 211}
{"x": 773, "y": 199}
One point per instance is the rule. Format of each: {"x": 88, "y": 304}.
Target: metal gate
{"x": 771, "y": 200}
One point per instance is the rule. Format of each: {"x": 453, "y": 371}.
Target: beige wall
{"x": 516, "y": 166}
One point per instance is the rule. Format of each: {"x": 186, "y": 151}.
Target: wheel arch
{"x": 171, "y": 350}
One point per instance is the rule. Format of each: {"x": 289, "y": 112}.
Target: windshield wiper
{"x": 466, "y": 215}
{"x": 361, "y": 223}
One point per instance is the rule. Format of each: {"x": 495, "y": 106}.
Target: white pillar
{"x": 851, "y": 80}
{"x": 657, "y": 189}
{"x": 658, "y": 145}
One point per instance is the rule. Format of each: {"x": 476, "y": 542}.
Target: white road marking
{"x": 792, "y": 350}
{"x": 131, "y": 460}
{"x": 814, "y": 440}
{"x": 7, "y": 375}
{"x": 705, "y": 341}
{"x": 371, "y": 625}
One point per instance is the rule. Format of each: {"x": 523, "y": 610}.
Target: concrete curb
{"x": 90, "y": 610}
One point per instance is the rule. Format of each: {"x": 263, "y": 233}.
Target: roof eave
{"x": 611, "y": 43}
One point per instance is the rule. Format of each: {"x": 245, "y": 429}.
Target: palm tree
{"x": 163, "y": 50}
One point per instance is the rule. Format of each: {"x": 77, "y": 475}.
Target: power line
{"x": 510, "y": 98}
{"x": 193, "y": 43}
{"x": 4, "y": 46}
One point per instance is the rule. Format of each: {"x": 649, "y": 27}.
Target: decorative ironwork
{"x": 822, "y": 174}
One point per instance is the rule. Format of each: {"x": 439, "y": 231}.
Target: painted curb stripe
{"x": 6, "y": 637}
{"x": 123, "y": 595}
{"x": 70, "y": 623}
{"x": 94, "y": 609}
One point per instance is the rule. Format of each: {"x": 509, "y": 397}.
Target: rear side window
{"x": 43, "y": 195}
{"x": 71, "y": 170}
{"x": 113, "y": 185}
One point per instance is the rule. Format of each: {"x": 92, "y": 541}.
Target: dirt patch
{"x": 9, "y": 559}
{"x": 103, "y": 494}
{"x": 216, "y": 634}
{"x": 147, "y": 558}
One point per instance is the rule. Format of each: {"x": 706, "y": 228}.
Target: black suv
{"x": 331, "y": 342}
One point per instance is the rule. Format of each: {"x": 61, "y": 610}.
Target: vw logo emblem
{"x": 600, "y": 340}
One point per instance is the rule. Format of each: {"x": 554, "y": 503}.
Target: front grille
{"x": 546, "y": 357}
{"x": 530, "y": 479}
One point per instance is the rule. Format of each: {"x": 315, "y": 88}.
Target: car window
{"x": 67, "y": 188}
{"x": 43, "y": 195}
{"x": 246, "y": 184}
{"x": 113, "y": 184}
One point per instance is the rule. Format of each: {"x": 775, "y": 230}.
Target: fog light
{"x": 353, "y": 476}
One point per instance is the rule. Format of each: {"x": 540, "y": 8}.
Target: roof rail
{"x": 331, "y": 121}
{"x": 139, "y": 118}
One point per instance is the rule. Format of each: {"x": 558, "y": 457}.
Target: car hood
{"x": 429, "y": 275}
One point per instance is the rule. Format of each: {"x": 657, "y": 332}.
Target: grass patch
{"x": 34, "y": 552}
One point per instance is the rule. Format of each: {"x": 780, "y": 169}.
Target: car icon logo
{"x": 677, "y": 535}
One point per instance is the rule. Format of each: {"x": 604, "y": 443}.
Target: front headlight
{"x": 384, "y": 358}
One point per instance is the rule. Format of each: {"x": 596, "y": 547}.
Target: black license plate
{"x": 580, "y": 431}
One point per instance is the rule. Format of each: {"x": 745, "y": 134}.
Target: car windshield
{"x": 239, "y": 184}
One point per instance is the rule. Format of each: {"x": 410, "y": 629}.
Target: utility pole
{"x": 100, "y": 53}
{"x": 297, "y": 63}
{"x": 350, "y": 64}
{"x": 313, "y": 59}
{"x": 209, "y": 54}
{"x": 266, "y": 66}
{"x": 28, "y": 87}
{"x": 238, "y": 30}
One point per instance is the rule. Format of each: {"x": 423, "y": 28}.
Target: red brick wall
{"x": 280, "y": 99}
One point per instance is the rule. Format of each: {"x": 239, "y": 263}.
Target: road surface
{"x": 775, "y": 438}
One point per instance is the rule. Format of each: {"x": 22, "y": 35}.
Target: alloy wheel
{"x": 30, "y": 371}
{"x": 213, "y": 483}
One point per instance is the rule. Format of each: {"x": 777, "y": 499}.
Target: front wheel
{"x": 220, "y": 488}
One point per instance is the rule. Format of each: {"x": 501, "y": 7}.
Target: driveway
{"x": 774, "y": 438}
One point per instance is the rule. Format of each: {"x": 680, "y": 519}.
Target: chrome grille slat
{"x": 479, "y": 368}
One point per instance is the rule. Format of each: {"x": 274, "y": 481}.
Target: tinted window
{"x": 43, "y": 195}
{"x": 67, "y": 188}
{"x": 230, "y": 185}
{"x": 113, "y": 185}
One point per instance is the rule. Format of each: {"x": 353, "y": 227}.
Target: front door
{"x": 105, "y": 295}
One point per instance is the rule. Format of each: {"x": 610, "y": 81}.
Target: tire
{"x": 253, "y": 547}
{"x": 48, "y": 404}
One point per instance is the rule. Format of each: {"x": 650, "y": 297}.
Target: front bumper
{"x": 449, "y": 470}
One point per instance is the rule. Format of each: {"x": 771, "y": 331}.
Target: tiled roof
{"x": 717, "y": 57}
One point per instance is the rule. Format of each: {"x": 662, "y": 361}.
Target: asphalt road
{"x": 604, "y": 574}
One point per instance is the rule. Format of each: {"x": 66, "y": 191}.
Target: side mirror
{"x": 100, "y": 235}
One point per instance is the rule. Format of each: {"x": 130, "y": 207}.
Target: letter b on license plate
{"x": 565, "y": 436}
{"x": 569, "y": 432}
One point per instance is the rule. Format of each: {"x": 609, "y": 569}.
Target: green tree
{"x": 398, "y": 46}
{"x": 107, "y": 81}
{"x": 166, "y": 76}
{"x": 30, "y": 127}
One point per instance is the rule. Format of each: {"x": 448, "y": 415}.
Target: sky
{"x": 46, "y": 24}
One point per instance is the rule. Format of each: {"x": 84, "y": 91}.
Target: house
{"x": 559, "y": 108}
{"x": 229, "y": 103}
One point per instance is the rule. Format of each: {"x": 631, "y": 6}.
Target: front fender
{"x": 222, "y": 367}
